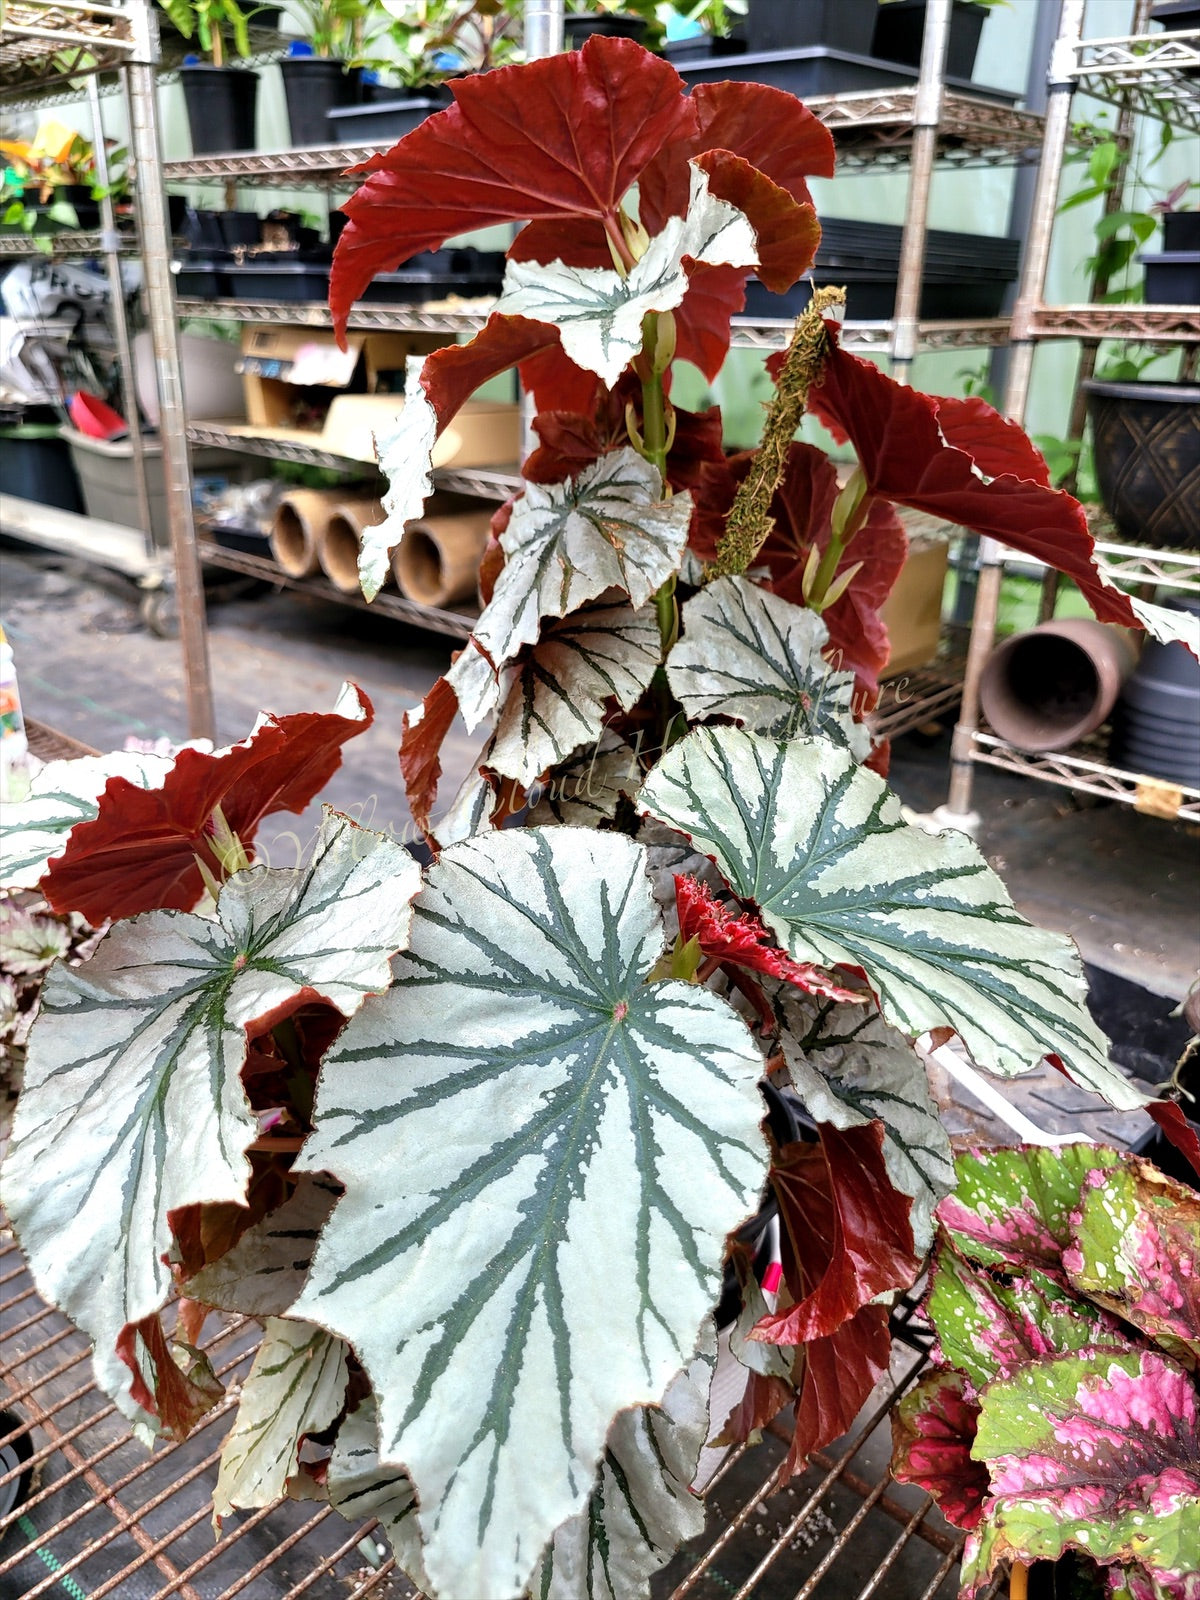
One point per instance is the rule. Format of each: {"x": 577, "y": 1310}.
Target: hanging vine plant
{"x": 473, "y": 1142}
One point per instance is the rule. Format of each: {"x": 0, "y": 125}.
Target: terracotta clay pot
{"x": 1050, "y": 687}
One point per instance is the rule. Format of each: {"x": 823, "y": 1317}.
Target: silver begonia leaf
{"x": 756, "y": 658}
{"x": 296, "y": 1386}
{"x": 133, "y": 1103}
{"x": 542, "y": 1156}
{"x": 819, "y": 844}
{"x": 565, "y": 544}
{"x": 642, "y": 1508}
{"x": 598, "y": 312}
{"x": 556, "y": 705}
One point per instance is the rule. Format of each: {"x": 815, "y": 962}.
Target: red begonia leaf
{"x": 767, "y": 127}
{"x": 491, "y": 562}
{"x": 553, "y": 379}
{"x": 845, "y": 1234}
{"x": 933, "y": 1429}
{"x": 561, "y": 137}
{"x": 451, "y": 375}
{"x": 178, "y": 1398}
{"x": 715, "y": 294}
{"x": 840, "y": 1371}
{"x": 740, "y": 938}
{"x": 787, "y": 229}
{"x": 577, "y": 241}
{"x": 995, "y": 444}
{"x": 896, "y": 433}
{"x": 422, "y": 736}
{"x": 1176, "y": 1128}
{"x": 763, "y": 1398}
{"x": 139, "y": 853}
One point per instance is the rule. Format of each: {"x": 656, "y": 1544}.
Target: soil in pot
{"x": 313, "y": 87}
{"x": 900, "y": 29}
{"x": 837, "y": 24}
{"x": 1147, "y": 448}
{"x": 615, "y": 25}
{"x": 220, "y": 107}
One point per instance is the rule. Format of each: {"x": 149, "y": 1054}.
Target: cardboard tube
{"x": 437, "y": 562}
{"x": 299, "y": 517}
{"x": 340, "y": 540}
{"x": 1050, "y": 687}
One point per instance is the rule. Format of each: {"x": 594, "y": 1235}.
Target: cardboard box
{"x": 485, "y": 433}
{"x": 912, "y": 613}
{"x": 285, "y": 370}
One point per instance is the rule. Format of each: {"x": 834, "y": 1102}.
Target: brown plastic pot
{"x": 437, "y": 561}
{"x": 340, "y": 540}
{"x": 1050, "y": 687}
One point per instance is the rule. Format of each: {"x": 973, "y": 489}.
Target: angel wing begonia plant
{"x": 475, "y": 1143}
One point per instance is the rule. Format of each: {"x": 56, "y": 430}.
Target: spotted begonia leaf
{"x": 360, "y": 1486}
{"x": 264, "y": 1272}
{"x": 142, "y": 850}
{"x": 296, "y": 1386}
{"x": 1012, "y": 1208}
{"x": 1097, "y": 1452}
{"x": 598, "y": 311}
{"x": 557, "y": 702}
{"x": 850, "y": 1068}
{"x": 750, "y": 656}
{"x": 603, "y": 1127}
{"x": 933, "y": 1429}
{"x": 133, "y": 1103}
{"x": 988, "y": 1327}
{"x": 565, "y": 544}
{"x": 588, "y": 788}
{"x": 641, "y": 1508}
{"x": 1135, "y": 1249}
{"x": 820, "y": 845}
{"x": 61, "y": 795}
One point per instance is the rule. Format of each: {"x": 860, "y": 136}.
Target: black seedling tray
{"x": 279, "y": 280}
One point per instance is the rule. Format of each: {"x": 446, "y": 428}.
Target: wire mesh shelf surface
{"x": 103, "y": 1517}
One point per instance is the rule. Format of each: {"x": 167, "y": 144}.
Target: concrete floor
{"x": 1123, "y": 885}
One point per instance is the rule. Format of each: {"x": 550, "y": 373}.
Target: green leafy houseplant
{"x": 1064, "y": 1419}
{"x": 472, "y": 1141}
{"x": 212, "y": 23}
{"x": 430, "y": 39}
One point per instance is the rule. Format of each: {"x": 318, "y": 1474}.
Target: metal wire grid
{"x": 1146, "y": 324}
{"x": 1155, "y": 73}
{"x": 1085, "y": 770}
{"x": 38, "y": 40}
{"x": 105, "y": 1518}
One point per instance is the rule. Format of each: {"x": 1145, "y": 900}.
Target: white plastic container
{"x": 212, "y": 386}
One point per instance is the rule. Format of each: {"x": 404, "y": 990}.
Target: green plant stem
{"x": 830, "y": 559}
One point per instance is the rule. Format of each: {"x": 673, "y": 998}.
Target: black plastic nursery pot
{"x": 384, "y": 121}
{"x": 1181, "y": 230}
{"x": 79, "y": 195}
{"x": 798, "y": 24}
{"x": 1176, "y": 16}
{"x": 1173, "y": 278}
{"x": 702, "y": 47}
{"x": 220, "y": 106}
{"x": 614, "y": 25}
{"x": 36, "y": 464}
{"x": 301, "y": 281}
{"x": 1156, "y": 724}
{"x": 900, "y": 28}
{"x": 1147, "y": 447}
{"x": 313, "y": 86}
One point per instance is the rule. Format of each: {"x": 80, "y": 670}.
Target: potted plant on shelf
{"x": 428, "y": 42}
{"x": 221, "y": 99}
{"x": 611, "y": 19}
{"x": 317, "y": 73}
{"x": 1063, "y": 1421}
{"x": 698, "y": 31}
{"x": 900, "y": 33}
{"x": 472, "y": 1140}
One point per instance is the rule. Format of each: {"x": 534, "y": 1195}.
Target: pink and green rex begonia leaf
{"x": 1012, "y": 1207}
{"x": 1136, "y": 1250}
{"x": 1097, "y": 1452}
{"x": 989, "y": 1328}
{"x": 933, "y": 1429}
